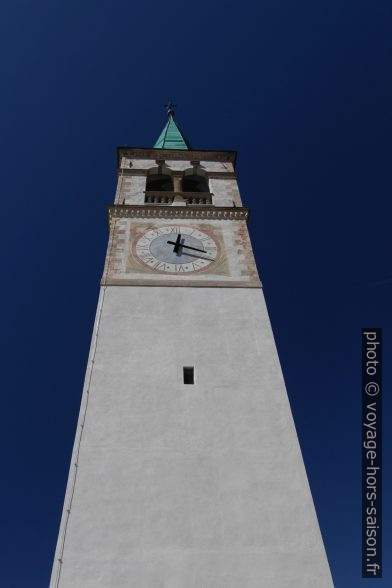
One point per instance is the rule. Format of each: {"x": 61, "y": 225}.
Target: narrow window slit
{"x": 189, "y": 375}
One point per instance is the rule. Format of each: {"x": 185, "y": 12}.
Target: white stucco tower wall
{"x": 176, "y": 485}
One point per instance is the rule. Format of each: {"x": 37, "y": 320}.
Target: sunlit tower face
{"x": 186, "y": 470}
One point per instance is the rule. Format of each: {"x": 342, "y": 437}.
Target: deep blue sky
{"x": 303, "y": 91}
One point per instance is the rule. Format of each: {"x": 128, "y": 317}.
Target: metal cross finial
{"x": 170, "y": 108}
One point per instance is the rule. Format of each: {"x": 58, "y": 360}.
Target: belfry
{"x": 186, "y": 470}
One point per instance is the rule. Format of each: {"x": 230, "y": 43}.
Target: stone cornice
{"x": 181, "y": 283}
{"x": 224, "y": 175}
{"x": 162, "y": 211}
{"x": 177, "y": 154}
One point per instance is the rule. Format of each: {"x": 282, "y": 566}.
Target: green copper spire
{"x": 171, "y": 136}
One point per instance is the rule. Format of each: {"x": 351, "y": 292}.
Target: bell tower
{"x": 186, "y": 470}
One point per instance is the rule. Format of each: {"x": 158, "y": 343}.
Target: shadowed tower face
{"x": 186, "y": 470}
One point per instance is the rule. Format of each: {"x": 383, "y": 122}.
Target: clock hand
{"x": 197, "y": 256}
{"x": 186, "y": 246}
{"x": 177, "y": 244}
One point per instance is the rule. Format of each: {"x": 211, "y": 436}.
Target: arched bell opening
{"x": 159, "y": 183}
{"x": 194, "y": 183}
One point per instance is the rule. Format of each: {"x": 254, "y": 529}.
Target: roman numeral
{"x": 147, "y": 258}
{"x": 159, "y": 265}
{"x": 196, "y": 265}
{"x": 161, "y": 231}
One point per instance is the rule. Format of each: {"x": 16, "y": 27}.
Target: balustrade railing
{"x": 167, "y": 198}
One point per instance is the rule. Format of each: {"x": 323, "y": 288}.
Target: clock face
{"x": 189, "y": 250}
